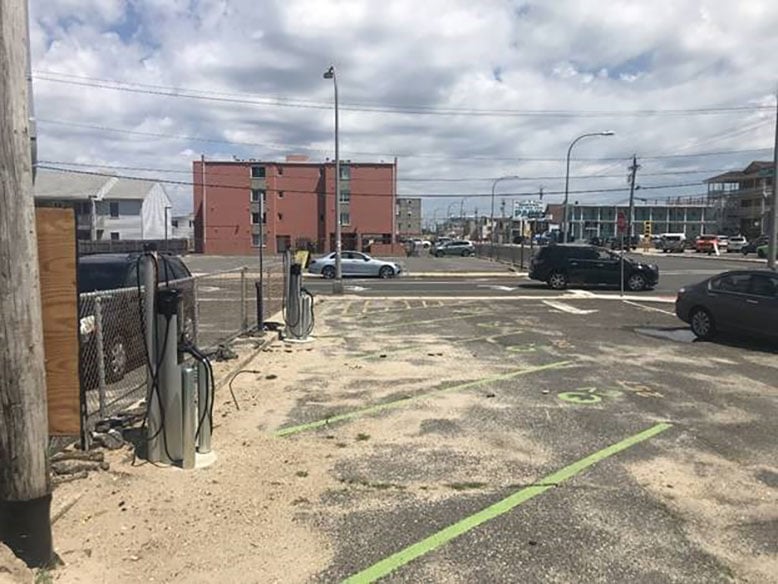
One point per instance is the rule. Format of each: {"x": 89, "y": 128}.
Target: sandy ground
{"x": 238, "y": 520}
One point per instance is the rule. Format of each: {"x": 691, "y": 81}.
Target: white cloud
{"x": 565, "y": 55}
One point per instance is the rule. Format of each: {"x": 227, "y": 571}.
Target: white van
{"x": 672, "y": 242}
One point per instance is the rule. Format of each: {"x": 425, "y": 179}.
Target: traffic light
{"x": 646, "y": 228}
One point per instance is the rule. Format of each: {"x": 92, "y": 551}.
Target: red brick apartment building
{"x": 299, "y": 205}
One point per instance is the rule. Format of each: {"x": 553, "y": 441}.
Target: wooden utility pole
{"x": 631, "y": 219}
{"x": 25, "y": 492}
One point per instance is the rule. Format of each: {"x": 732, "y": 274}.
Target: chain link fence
{"x": 517, "y": 255}
{"x": 215, "y": 309}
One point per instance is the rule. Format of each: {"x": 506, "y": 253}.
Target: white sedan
{"x": 354, "y": 263}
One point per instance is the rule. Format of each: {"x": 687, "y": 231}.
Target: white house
{"x": 108, "y": 207}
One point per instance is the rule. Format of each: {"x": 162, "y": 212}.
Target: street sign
{"x": 528, "y": 210}
{"x": 622, "y": 223}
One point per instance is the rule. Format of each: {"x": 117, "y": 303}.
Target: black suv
{"x": 560, "y": 265}
{"x": 123, "y": 342}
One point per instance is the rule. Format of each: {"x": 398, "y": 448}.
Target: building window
{"x": 256, "y": 194}
{"x": 280, "y": 216}
{"x": 255, "y": 240}
{"x": 321, "y": 217}
{"x": 345, "y": 195}
{"x": 257, "y": 172}
{"x": 345, "y": 172}
{"x": 255, "y": 218}
{"x": 345, "y": 218}
{"x": 114, "y": 236}
{"x": 280, "y": 194}
{"x": 280, "y": 170}
{"x": 114, "y": 208}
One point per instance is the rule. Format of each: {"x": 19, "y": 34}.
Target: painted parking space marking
{"x": 442, "y": 537}
{"x": 649, "y": 308}
{"x": 567, "y": 307}
{"x": 408, "y": 400}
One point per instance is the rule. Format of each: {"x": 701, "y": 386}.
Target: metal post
{"x": 260, "y": 286}
{"x": 149, "y": 320}
{"x": 100, "y": 340}
{"x": 337, "y": 286}
{"x": 567, "y": 180}
{"x": 196, "y": 323}
{"x": 244, "y": 318}
{"x": 772, "y": 219}
{"x": 204, "y": 403}
{"x": 189, "y": 418}
{"x": 621, "y": 279}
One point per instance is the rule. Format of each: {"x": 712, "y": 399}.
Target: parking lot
{"x": 473, "y": 440}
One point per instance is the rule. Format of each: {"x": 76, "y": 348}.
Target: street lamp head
{"x": 330, "y": 73}
{"x": 607, "y": 133}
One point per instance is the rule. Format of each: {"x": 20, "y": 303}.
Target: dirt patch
{"x": 724, "y": 507}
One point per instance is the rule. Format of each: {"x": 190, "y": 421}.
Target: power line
{"x": 404, "y": 179}
{"x": 251, "y": 99}
{"x": 356, "y": 194}
{"x": 287, "y": 147}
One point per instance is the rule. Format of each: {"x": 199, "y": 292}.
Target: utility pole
{"x": 25, "y": 490}
{"x": 772, "y": 219}
{"x": 631, "y": 219}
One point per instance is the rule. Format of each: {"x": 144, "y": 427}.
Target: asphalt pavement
{"x": 472, "y": 278}
{"x": 598, "y": 444}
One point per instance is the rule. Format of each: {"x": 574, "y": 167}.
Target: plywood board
{"x": 59, "y": 298}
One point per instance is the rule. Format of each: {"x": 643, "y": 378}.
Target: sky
{"x": 461, "y": 92}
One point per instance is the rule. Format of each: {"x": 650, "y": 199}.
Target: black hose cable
{"x": 255, "y": 371}
{"x": 154, "y": 370}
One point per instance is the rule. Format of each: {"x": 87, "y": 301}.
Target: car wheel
{"x": 702, "y": 324}
{"x": 386, "y": 272}
{"x": 636, "y": 282}
{"x": 557, "y": 280}
{"x": 439, "y": 254}
{"x": 328, "y": 272}
{"x": 116, "y": 359}
{"x": 760, "y": 254}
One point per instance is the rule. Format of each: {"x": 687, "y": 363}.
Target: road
{"x": 674, "y": 272}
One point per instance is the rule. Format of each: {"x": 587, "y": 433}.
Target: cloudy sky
{"x": 461, "y": 92}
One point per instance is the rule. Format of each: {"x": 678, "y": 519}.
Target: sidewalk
{"x": 732, "y": 257}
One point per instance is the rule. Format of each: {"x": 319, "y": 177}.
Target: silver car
{"x": 354, "y": 263}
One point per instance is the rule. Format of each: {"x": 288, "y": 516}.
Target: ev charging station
{"x": 179, "y": 396}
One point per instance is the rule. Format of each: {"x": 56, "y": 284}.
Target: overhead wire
{"x": 419, "y": 109}
{"x": 400, "y": 154}
{"x": 329, "y": 193}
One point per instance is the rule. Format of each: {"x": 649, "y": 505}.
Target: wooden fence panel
{"x": 59, "y": 299}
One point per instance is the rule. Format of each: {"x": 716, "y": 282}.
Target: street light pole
{"x": 491, "y": 216}
{"x": 337, "y": 286}
{"x": 772, "y": 219}
{"x": 565, "y": 225}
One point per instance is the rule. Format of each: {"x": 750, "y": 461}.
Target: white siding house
{"x": 109, "y": 207}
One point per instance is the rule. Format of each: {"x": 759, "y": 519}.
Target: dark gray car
{"x": 743, "y": 301}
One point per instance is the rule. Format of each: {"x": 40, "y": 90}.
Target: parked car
{"x": 672, "y": 242}
{"x": 564, "y": 264}
{"x": 743, "y": 301}
{"x": 354, "y": 263}
{"x": 736, "y": 243}
{"x": 709, "y": 243}
{"x": 457, "y": 247}
{"x": 629, "y": 242}
{"x": 123, "y": 342}
{"x": 753, "y": 245}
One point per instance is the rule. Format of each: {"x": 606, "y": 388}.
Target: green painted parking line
{"x": 442, "y": 537}
{"x": 406, "y": 400}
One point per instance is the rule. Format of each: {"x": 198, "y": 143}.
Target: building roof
{"x": 67, "y": 186}
{"x": 757, "y": 169}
